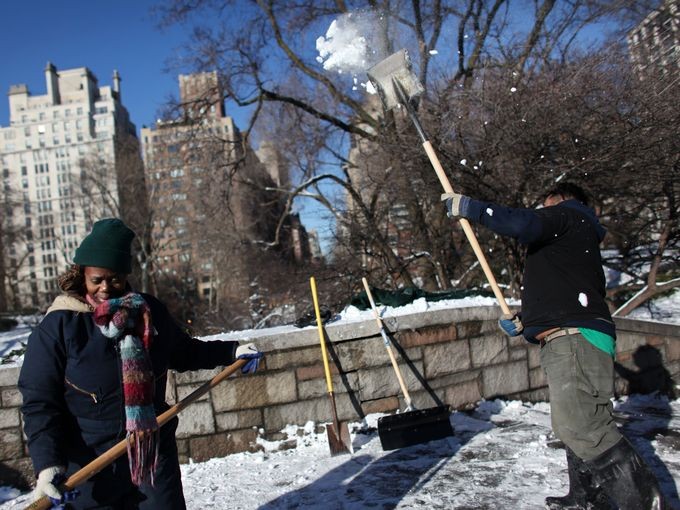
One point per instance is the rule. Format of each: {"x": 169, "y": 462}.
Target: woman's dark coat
{"x": 73, "y": 404}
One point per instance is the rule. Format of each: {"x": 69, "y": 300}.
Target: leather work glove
{"x": 456, "y": 204}
{"x": 249, "y": 352}
{"x": 47, "y": 484}
{"x": 511, "y": 324}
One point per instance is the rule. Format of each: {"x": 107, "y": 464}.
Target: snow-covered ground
{"x": 502, "y": 455}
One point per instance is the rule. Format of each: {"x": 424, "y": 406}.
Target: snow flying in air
{"x": 350, "y": 46}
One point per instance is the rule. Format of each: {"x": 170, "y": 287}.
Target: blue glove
{"x": 66, "y": 496}
{"x": 249, "y": 352}
{"x": 511, "y": 324}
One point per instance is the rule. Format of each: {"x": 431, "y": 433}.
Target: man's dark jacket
{"x": 564, "y": 283}
{"x": 73, "y": 407}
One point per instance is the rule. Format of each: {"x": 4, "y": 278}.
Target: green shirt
{"x": 600, "y": 340}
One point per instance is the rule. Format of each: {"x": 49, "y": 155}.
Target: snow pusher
{"x": 339, "y": 440}
{"x": 120, "y": 448}
{"x": 397, "y": 84}
{"x": 413, "y": 426}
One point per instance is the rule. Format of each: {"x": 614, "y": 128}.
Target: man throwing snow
{"x": 563, "y": 310}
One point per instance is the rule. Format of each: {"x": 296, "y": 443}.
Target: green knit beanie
{"x": 107, "y": 246}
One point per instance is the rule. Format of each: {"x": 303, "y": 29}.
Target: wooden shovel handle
{"x": 378, "y": 319}
{"x": 467, "y": 228}
{"x": 120, "y": 448}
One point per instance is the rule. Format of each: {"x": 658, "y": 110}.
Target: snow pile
{"x": 661, "y": 309}
{"x": 13, "y": 341}
{"x": 352, "y": 314}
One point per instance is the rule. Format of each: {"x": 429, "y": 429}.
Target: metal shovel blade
{"x": 414, "y": 427}
{"x": 396, "y": 67}
{"x": 339, "y": 442}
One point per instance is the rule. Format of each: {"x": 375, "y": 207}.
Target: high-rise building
{"x": 69, "y": 157}
{"x": 210, "y": 209}
{"x": 655, "y": 43}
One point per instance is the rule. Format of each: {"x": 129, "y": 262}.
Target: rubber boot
{"x": 626, "y": 479}
{"x": 582, "y": 493}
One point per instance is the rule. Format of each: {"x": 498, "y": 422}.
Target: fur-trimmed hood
{"x": 71, "y": 303}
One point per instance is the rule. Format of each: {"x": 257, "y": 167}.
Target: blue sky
{"x": 102, "y": 36}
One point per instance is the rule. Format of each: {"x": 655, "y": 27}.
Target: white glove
{"x": 247, "y": 351}
{"x": 44, "y": 485}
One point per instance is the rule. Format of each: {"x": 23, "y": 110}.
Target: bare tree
{"x": 511, "y": 110}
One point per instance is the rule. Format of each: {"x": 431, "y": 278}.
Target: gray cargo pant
{"x": 581, "y": 382}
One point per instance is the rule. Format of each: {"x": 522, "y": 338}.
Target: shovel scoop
{"x": 395, "y": 80}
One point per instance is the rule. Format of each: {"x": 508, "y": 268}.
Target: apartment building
{"x": 65, "y": 157}
{"x": 210, "y": 210}
{"x": 655, "y": 43}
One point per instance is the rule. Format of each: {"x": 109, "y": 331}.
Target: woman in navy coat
{"x": 95, "y": 372}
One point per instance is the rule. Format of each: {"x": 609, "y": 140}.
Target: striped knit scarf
{"x": 128, "y": 320}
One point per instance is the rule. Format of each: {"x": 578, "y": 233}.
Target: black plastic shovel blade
{"x": 340, "y": 441}
{"x": 414, "y": 427}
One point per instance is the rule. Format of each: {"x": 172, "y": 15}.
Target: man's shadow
{"x": 651, "y": 376}
{"x": 647, "y": 412}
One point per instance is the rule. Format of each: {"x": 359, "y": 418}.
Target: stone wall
{"x": 453, "y": 356}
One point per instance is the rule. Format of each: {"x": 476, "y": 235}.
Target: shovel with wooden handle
{"x": 339, "y": 440}
{"x": 397, "y": 84}
{"x": 414, "y": 426}
{"x": 388, "y": 347}
{"x": 119, "y": 449}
